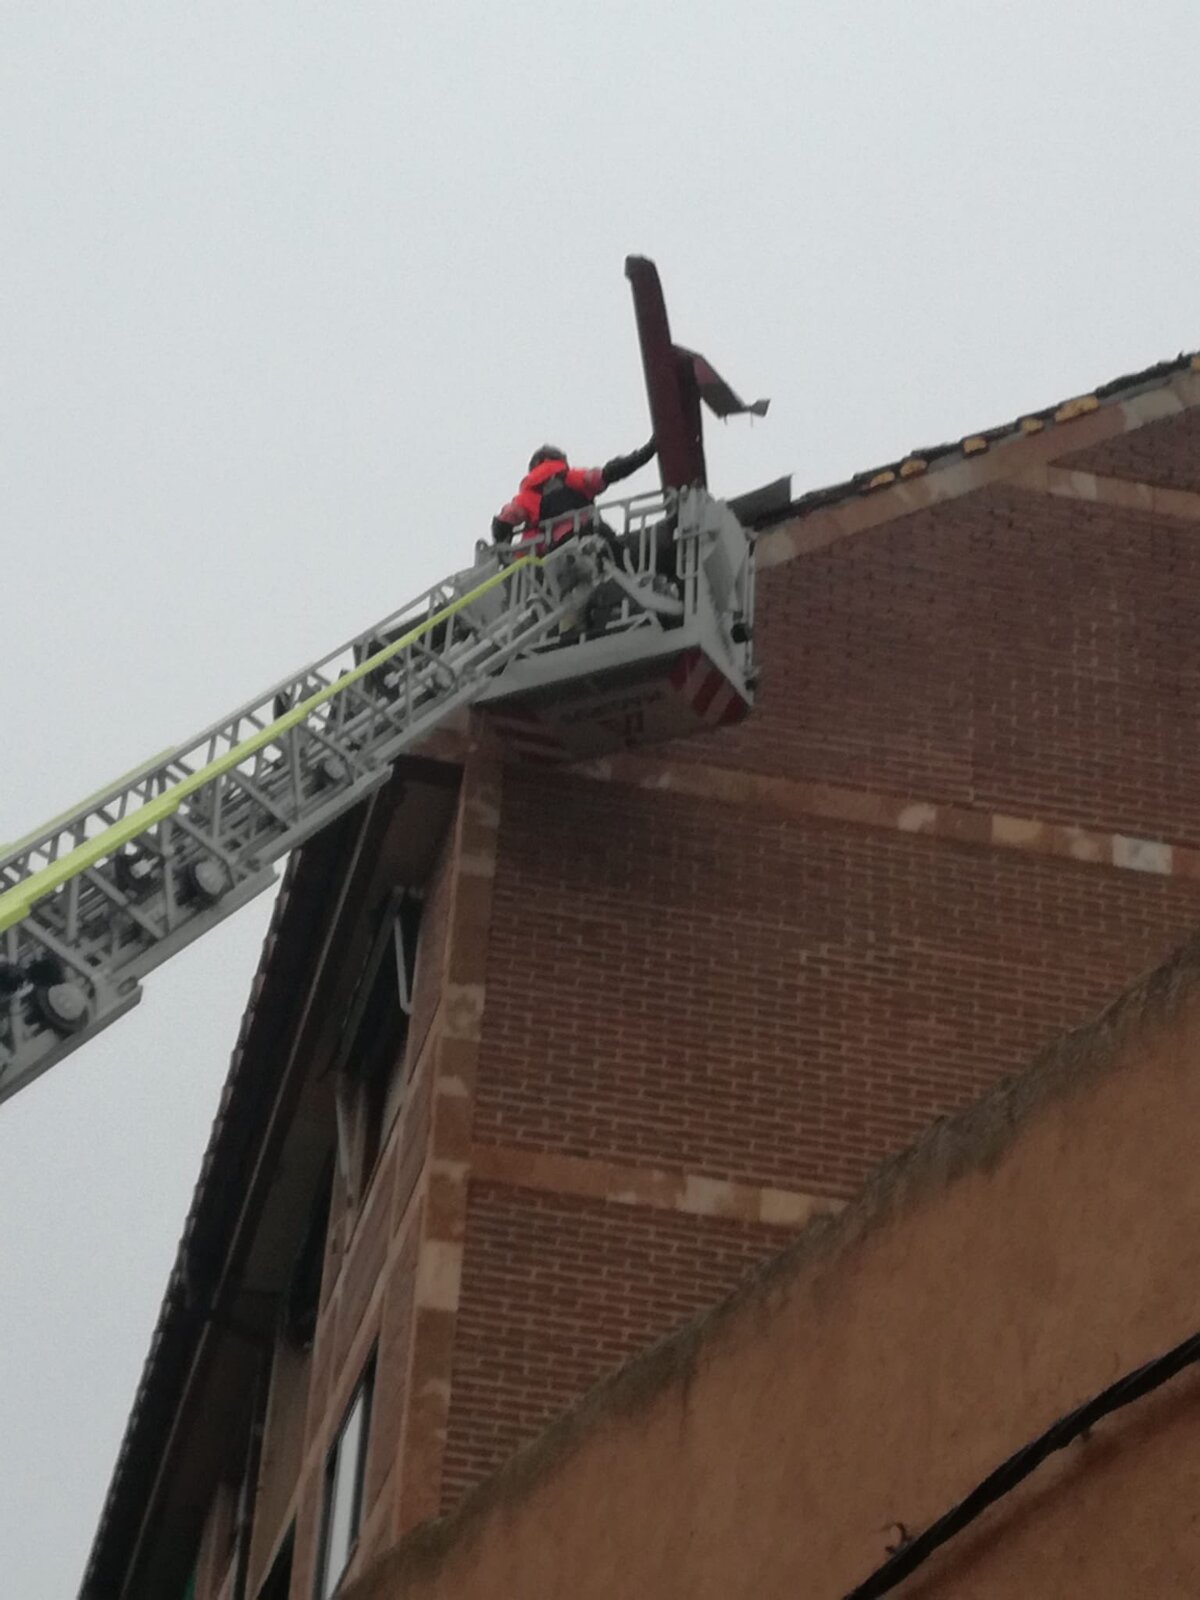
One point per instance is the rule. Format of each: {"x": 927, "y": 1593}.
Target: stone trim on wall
{"x": 1128, "y": 494}
{"x": 454, "y": 1067}
{"x": 788, "y": 797}
{"x": 687, "y": 1192}
{"x": 1077, "y": 427}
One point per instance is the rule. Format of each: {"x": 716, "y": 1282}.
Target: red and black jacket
{"x": 555, "y": 492}
{"x": 552, "y": 489}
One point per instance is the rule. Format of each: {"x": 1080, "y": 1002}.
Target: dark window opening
{"x": 380, "y": 1044}
{"x": 303, "y": 1297}
{"x": 376, "y": 1032}
{"x": 345, "y": 1467}
{"x": 279, "y": 1579}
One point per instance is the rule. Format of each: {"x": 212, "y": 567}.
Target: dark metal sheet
{"x": 674, "y": 413}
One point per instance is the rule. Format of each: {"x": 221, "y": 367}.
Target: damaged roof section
{"x": 765, "y": 508}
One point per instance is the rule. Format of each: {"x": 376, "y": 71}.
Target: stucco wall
{"x": 1020, "y": 1259}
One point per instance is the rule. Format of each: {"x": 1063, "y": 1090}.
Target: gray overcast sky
{"x": 287, "y": 295}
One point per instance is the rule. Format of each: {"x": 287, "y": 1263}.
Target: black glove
{"x": 625, "y": 466}
{"x": 502, "y": 531}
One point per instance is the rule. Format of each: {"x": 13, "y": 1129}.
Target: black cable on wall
{"x": 1141, "y": 1381}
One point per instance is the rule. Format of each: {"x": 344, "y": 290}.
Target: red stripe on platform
{"x": 717, "y": 709}
{"x": 735, "y": 711}
{"x": 703, "y": 697}
{"x": 682, "y": 669}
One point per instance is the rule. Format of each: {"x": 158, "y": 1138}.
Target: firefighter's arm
{"x": 510, "y": 518}
{"x": 625, "y": 466}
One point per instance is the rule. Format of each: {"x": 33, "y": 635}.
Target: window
{"x": 376, "y": 1031}
{"x": 343, "y": 1487}
{"x": 303, "y": 1297}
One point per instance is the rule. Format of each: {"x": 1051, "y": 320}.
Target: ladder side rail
{"x": 114, "y": 948}
{"x": 687, "y": 544}
{"x": 646, "y": 524}
{"x": 111, "y": 908}
{"x": 109, "y": 806}
{"x": 382, "y": 718}
{"x": 628, "y": 510}
{"x": 123, "y": 785}
{"x": 182, "y": 765}
{"x": 112, "y": 991}
{"x": 126, "y": 904}
{"x": 47, "y": 841}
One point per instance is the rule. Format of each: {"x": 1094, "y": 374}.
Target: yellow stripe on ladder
{"x": 16, "y": 903}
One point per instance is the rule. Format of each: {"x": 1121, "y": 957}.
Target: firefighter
{"x": 553, "y": 489}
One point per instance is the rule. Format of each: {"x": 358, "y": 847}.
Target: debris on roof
{"x": 916, "y": 462}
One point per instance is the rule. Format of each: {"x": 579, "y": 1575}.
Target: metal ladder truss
{"x": 97, "y": 898}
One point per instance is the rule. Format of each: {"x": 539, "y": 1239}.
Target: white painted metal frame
{"x": 99, "y": 897}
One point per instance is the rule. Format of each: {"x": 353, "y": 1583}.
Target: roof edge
{"x": 944, "y": 472}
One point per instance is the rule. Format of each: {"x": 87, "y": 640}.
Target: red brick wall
{"x": 413, "y": 1135}
{"x": 373, "y": 1230}
{"x": 1008, "y": 650}
{"x": 556, "y": 1292}
{"x": 1166, "y": 452}
{"x": 707, "y": 988}
{"x": 391, "y": 1373}
{"x": 675, "y": 984}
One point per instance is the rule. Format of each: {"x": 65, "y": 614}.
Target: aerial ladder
{"x": 633, "y": 630}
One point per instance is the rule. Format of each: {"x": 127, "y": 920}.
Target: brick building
{"x": 539, "y": 1064}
